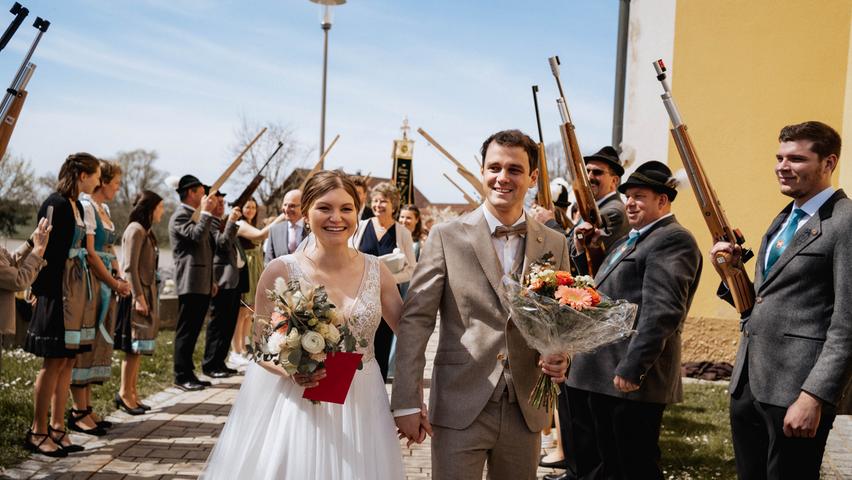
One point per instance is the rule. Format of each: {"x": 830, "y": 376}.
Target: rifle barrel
{"x": 20, "y": 13}
{"x": 41, "y": 25}
{"x": 537, "y": 114}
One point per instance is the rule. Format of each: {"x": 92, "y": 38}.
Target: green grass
{"x": 696, "y": 435}
{"x": 18, "y": 373}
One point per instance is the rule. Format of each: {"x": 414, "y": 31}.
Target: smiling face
{"x": 382, "y": 207}
{"x": 601, "y": 178}
{"x": 644, "y": 206}
{"x": 87, "y": 182}
{"x": 801, "y": 172}
{"x": 506, "y": 178}
{"x": 249, "y": 210}
{"x": 408, "y": 218}
{"x": 333, "y": 217}
{"x": 292, "y": 206}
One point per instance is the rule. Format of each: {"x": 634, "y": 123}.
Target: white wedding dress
{"x": 273, "y": 433}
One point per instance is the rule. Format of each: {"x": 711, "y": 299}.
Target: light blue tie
{"x": 784, "y": 239}
{"x": 632, "y": 237}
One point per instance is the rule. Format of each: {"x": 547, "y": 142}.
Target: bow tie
{"x": 504, "y": 231}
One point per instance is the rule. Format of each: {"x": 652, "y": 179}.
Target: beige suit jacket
{"x": 460, "y": 276}
{"x": 17, "y": 271}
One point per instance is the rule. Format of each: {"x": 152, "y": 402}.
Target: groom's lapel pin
{"x": 539, "y": 239}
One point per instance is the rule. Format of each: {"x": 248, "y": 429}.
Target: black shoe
{"x": 190, "y": 386}
{"x": 230, "y": 370}
{"x": 203, "y": 383}
{"x": 75, "y": 416}
{"x": 560, "y": 464}
{"x": 58, "y": 440}
{"x": 36, "y": 447}
{"x": 119, "y": 403}
{"x": 558, "y": 476}
{"x": 143, "y": 406}
{"x": 217, "y": 374}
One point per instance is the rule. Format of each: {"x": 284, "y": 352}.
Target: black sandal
{"x": 75, "y": 416}
{"x": 66, "y": 448}
{"x": 36, "y": 447}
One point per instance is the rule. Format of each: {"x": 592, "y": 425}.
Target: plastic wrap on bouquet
{"x": 581, "y": 321}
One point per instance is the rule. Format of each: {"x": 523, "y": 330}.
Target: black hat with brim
{"x": 189, "y": 181}
{"x": 654, "y": 175}
{"x": 609, "y": 156}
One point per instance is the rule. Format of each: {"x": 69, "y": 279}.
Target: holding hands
{"x": 415, "y": 426}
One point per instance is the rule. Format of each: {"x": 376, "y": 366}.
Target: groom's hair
{"x": 513, "y": 138}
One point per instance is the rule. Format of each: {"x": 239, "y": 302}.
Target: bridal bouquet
{"x": 302, "y": 330}
{"x": 557, "y": 312}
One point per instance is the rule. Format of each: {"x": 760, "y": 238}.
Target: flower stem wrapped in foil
{"x": 551, "y": 327}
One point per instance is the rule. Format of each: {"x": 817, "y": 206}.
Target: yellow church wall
{"x": 741, "y": 71}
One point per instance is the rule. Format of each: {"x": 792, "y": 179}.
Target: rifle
{"x": 227, "y": 173}
{"x": 20, "y": 13}
{"x": 543, "y": 196}
{"x": 319, "y": 163}
{"x": 741, "y": 287}
{"x": 585, "y": 199}
{"x": 255, "y": 182}
{"x": 464, "y": 172}
{"x": 16, "y": 94}
{"x": 468, "y": 198}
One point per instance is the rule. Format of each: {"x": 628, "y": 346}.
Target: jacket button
{"x": 758, "y": 300}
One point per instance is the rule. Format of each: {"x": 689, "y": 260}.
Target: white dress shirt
{"x": 505, "y": 247}
{"x": 810, "y": 208}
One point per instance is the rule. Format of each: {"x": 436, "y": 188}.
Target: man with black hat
{"x": 192, "y": 250}
{"x": 605, "y": 170}
{"x": 619, "y": 392}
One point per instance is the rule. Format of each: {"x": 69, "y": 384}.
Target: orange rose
{"x": 536, "y": 285}
{"x": 564, "y": 278}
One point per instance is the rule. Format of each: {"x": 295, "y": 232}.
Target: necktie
{"x": 292, "y": 241}
{"x": 632, "y": 237}
{"x": 784, "y": 239}
{"x": 504, "y": 231}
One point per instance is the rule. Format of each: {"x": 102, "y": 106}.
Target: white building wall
{"x": 646, "y": 124}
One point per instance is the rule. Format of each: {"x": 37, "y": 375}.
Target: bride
{"x": 272, "y": 432}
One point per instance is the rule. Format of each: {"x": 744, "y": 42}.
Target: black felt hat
{"x": 609, "y": 156}
{"x": 654, "y": 175}
{"x": 189, "y": 181}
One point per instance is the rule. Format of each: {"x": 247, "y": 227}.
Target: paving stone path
{"x": 175, "y": 439}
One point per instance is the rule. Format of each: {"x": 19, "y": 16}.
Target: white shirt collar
{"x": 813, "y": 205}
{"x": 493, "y": 222}
{"x": 645, "y": 229}
{"x": 599, "y": 202}
{"x": 298, "y": 223}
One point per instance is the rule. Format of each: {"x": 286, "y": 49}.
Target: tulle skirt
{"x": 273, "y": 433}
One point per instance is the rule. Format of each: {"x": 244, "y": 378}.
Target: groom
{"x": 483, "y": 371}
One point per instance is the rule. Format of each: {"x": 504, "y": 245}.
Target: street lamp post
{"x": 326, "y": 26}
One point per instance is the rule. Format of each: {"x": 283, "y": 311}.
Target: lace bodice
{"x": 362, "y": 316}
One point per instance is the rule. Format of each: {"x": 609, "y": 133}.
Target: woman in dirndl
{"x": 138, "y": 319}
{"x": 95, "y": 365}
{"x": 63, "y": 319}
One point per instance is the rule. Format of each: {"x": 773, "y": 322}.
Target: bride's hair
{"x": 324, "y": 182}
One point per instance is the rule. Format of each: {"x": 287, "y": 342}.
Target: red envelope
{"x": 340, "y": 370}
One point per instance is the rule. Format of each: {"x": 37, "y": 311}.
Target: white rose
{"x": 332, "y": 334}
{"x": 293, "y": 338}
{"x": 276, "y": 342}
{"x": 313, "y": 342}
{"x": 280, "y": 286}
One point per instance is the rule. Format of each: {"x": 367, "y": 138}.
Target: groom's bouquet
{"x": 302, "y": 330}
{"x": 557, "y": 312}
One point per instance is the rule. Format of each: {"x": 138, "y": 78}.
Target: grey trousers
{"x": 499, "y": 437}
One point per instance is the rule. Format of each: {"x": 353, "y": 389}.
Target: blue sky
{"x": 177, "y": 76}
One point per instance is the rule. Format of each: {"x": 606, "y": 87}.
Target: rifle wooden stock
{"x": 319, "y": 163}
{"x": 467, "y": 197}
{"x": 228, "y": 172}
{"x": 10, "y": 120}
{"x": 464, "y": 172}
{"x": 585, "y": 199}
{"x": 734, "y": 275}
{"x": 543, "y": 196}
